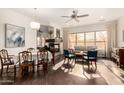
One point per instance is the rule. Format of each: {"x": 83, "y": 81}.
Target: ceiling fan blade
{"x": 68, "y": 20}
{"x": 66, "y": 16}
{"x": 83, "y": 15}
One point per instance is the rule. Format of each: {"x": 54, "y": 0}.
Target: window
{"x": 101, "y": 40}
{"x": 97, "y": 38}
{"x": 90, "y": 39}
{"x": 71, "y": 40}
{"x": 80, "y": 39}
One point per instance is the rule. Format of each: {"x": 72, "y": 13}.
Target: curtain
{"x": 112, "y": 36}
{"x": 65, "y": 38}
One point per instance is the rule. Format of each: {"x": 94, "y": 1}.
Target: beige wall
{"x": 120, "y": 32}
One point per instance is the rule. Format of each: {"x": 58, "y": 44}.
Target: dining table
{"x": 79, "y": 55}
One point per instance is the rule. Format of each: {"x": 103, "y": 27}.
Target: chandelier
{"x": 35, "y": 25}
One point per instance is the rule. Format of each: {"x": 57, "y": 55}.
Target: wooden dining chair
{"x": 6, "y": 61}
{"x": 42, "y": 59}
{"x": 25, "y": 62}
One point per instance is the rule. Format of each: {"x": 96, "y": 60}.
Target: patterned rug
{"x": 116, "y": 70}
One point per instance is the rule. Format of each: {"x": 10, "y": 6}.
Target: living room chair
{"x": 6, "y": 61}
{"x": 90, "y": 57}
{"x": 68, "y": 55}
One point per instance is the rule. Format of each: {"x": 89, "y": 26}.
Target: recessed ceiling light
{"x": 101, "y": 18}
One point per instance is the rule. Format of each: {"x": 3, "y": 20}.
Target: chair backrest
{"x": 71, "y": 51}
{"x": 92, "y": 54}
{"x": 41, "y": 48}
{"x": 24, "y": 56}
{"x": 42, "y": 55}
{"x": 30, "y": 49}
{"x": 4, "y": 53}
{"x": 4, "y": 56}
{"x": 66, "y": 52}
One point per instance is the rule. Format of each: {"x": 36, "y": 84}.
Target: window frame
{"x": 95, "y": 41}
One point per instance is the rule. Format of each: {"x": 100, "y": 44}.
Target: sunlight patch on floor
{"x": 77, "y": 72}
{"x": 58, "y": 65}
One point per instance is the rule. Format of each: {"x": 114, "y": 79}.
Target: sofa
{"x": 101, "y": 53}
{"x": 84, "y": 48}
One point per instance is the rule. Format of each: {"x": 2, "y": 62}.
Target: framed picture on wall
{"x": 14, "y": 36}
{"x": 58, "y": 33}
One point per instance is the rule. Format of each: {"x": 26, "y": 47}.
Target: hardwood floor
{"x": 71, "y": 74}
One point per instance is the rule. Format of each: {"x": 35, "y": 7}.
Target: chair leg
{"x": 83, "y": 66}
{"x": 64, "y": 60}
{"x": 20, "y": 71}
{"x": 7, "y": 69}
{"x": 68, "y": 61}
{"x": 37, "y": 68}
{"x": 88, "y": 65}
{"x": 74, "y": 61}
{"x": 95, "y": 64}
{"x": 45, "y": 65}
{"x": 33, "y": 68}
{"x": 1, "y": 71}
{"x": 14, "y": 72}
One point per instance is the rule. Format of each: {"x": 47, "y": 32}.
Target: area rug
{"x": 116, "y": 70}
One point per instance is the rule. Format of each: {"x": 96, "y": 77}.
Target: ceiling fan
{"x": 74, "y": 16}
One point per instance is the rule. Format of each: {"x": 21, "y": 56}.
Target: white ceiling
{"x": 54, "y": 15}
